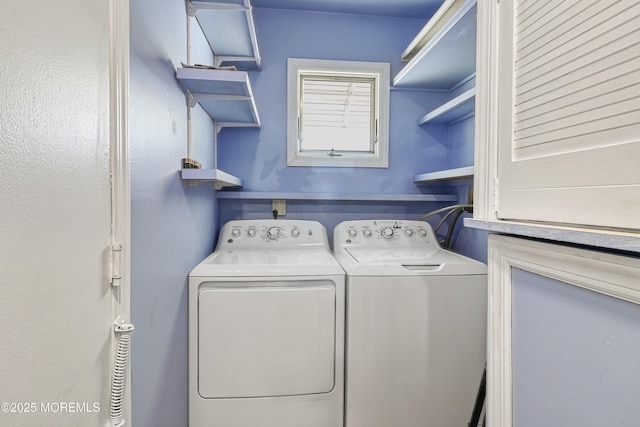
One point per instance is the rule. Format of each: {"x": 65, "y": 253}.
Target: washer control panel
{"x": 383, "y": 234}
{"x": 272, "y": 234}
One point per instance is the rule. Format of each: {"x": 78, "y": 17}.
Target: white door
{"x": 264, "y": 341}
{"x": 57, "y": 307}
{"x": 568, "y": 97}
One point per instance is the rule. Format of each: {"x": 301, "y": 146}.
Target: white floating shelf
{"x": 225, "y": 95}
{"x": 219, "y": 178}
{"x": 445, "y": 175}
{"x": 367, "y": 197}
{"x": 458, "y": 108}
{"x": 448, "y": 52}
{"x": 228, "y": 27}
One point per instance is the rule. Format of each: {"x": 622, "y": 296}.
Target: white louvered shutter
{"x": 569, "y": 112}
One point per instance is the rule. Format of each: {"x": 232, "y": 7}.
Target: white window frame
{"x": 380, "y": 156}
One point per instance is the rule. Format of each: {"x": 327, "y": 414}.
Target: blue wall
{"x": 459, "y": 138}
{"x": 173, "y": 224}
{"x": 259, "y": 156}
{"x": 575, "y": 355}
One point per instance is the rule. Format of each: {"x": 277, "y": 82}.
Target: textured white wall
{"x": 55, "y": 303}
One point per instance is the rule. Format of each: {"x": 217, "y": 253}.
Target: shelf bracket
{"x": 192, "y": 100}
{"x": 191, "y": 10}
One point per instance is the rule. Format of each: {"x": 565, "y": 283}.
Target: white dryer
{"x": 266, "y": 329}
{"x": 416, "y": 326}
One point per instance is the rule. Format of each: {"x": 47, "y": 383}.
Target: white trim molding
{"x": 486, "y": 110}
{"x": 119, "y": 76}
{"x": 613, "y": 275}
{"x": 380, "y": 72}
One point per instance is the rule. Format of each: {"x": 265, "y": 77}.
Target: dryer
{"x": 266, "y": 329}
{"x": 416, "y": 326}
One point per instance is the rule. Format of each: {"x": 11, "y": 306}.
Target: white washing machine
{"x": 416, "y": 326}
{"x": 266, "y": 329}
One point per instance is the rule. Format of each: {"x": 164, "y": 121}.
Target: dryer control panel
{"x": 384, "y": 234}
{"x": 272, "y": 234}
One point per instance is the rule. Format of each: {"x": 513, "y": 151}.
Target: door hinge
{"x": 115, "y": 264}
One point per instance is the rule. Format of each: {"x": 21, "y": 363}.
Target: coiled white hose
{"x": 120, "y": 374}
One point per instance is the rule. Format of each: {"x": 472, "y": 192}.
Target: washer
{"x": 416, "y": 326}
{"x": 266, "y": 329}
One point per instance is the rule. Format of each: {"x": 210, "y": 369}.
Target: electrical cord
{"x": 454, "y": 212}
{"x": 446, "y": 208}
{"x": 444, "y": 218}
{"x": 447, "y": 239}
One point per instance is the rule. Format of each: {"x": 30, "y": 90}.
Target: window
{"x": 338, "y": 113}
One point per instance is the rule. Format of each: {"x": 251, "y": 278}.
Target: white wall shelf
{"x": 366, "y": 197}
{"x": 448, "y": 48}
{"x": 228, "y": 27}
{"x": 219, "y": 178}
{"x": 459, "y": 108}
{"x": 225, "y": 95}
{"x": 445, "y": 175}
{"x": 443, "y": 56}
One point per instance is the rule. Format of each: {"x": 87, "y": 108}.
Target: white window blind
{"x": 337, "y": 111}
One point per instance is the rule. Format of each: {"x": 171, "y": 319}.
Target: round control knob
{"x": 367, "y": 232}
{"x": 387, "y": 232}
{"x": 422, "y": 232}
{"x": 408, "y": 232}
{"x": 273, "y": 233}
{"x": 235, "y": 232}
{"x": 295, "y": 232}
{"x": 353, "y": 232}
{"x": 251, "y": 232}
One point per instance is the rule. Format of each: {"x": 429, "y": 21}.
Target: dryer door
{"x": 259, "y": 339}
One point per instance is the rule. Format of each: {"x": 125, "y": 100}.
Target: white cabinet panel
{"x": 568, "y": 112}
{"x": 597, "y": 312}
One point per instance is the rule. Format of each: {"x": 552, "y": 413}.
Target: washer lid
{"x": 410, "y": 262}
{"x": 273, "y": 257}
{"x": 247, "y": 262}
{"x": 390, "y": 256}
